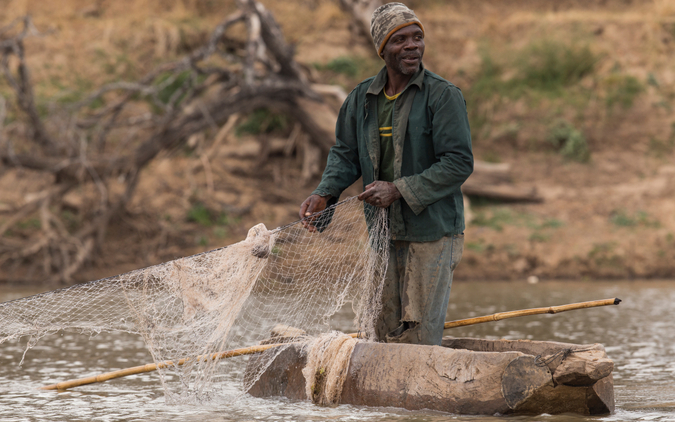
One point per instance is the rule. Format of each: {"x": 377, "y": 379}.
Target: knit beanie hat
{"x": 388, "y": 19}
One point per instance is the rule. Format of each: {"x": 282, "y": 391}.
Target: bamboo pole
{"x": 261, "y": 348}
{"x": 527, "y": 312}
{"x": 155, "y": 366}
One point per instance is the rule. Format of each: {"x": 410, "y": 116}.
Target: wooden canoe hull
{"x": 465, "y": 376}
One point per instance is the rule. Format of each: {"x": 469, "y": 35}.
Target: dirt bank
{"x": 597, "y": 141}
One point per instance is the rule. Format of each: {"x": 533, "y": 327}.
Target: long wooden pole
{"x": 155, "y": 366}
{"x": 261, "y": 348}
{"x": 527, "y": 312}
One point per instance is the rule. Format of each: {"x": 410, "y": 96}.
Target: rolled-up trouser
{"x": 417, "y": 290}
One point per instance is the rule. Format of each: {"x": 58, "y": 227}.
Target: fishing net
{"x": 227, "y": 298}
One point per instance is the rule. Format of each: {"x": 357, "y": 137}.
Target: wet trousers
{"x": 417, "y": 290}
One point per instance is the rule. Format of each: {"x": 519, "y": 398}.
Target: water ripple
{"x": 638, "y": 335}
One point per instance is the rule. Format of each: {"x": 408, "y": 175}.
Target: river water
{"x": 639, "y": 335}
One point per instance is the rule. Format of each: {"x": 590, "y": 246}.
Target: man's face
{"x": 404, "y": 50}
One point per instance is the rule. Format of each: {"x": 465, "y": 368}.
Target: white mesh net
{"x": 227, "y": 298}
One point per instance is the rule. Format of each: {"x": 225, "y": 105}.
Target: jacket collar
{"x": 380, "y": 80}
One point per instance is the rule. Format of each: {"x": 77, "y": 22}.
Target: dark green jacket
{"x": 433, "y": 156}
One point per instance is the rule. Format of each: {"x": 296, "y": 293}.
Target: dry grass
{"x": 94, "y": 42}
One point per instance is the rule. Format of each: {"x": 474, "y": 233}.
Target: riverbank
{"x": 577, "y": 96}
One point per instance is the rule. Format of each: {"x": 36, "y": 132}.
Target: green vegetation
{"x": 206, "y": 217}
{"x": 552, "y": 223}
{"x": 97, "y": 102}
{"x": 120, "y": 67}
{"x": 558, "y": 74}
{"x": 71, "y": 220}
{"x": 30, "y": 223}
{"x": 169, "y": 89}
{"x": 69, "y": 95}
{"x": 621, "y": 90}
{"x": 540, "y": 237}
{"x": 661, "y": 148}
{"x": 546, "y": 69}
{"x": 602, "y": 254}
{"x": 550, "y": 65}
{"x": 349, "y": 70}
{"x": 546, "y": 66}
{"x": 511, "y": 250}
{"x": 200, "y": 214}
{"x": 621, "y": 218}
{"x": 491, "y": 157}
{"x": 497, "y": 220}
{"x": 262, "y": 120}
{"x": 209, "y": 218}
{"x": 478, "y": 246}
{"x": 346, "y": 65}
{"x": 542, "y": 232}
{"x": 220, "y": 232}
{"x": 570, "y": 142}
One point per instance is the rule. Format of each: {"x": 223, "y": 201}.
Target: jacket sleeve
{"x": 342, "y": 167}
{"x": 452, "y": 145}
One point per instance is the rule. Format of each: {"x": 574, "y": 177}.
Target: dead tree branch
{"x": 176, "y": 100}
{"x": 21, "y": 83}
{"x": 361, "y": 12}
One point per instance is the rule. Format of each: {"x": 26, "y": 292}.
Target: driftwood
{"x": 504, "y": 193}
{"x": 493, "y": 181}
{"x": 465, "y": 376}
{"x": 79, "y": 147}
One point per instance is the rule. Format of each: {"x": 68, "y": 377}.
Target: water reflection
{"x": 638, "y": 336}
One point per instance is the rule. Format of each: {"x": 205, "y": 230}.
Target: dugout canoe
{"x": 463, "y": 376}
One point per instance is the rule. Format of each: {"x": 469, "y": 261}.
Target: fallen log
{"x": 505, "y": 193}
{"x": 463, "y": 376}
{"x": 491, "y": 173}
{"x": 493, "y": 181}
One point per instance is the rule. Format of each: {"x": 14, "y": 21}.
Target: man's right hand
{"x": 313, "y": 204}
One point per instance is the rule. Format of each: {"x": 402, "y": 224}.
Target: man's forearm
{"x": 438, "y": 181}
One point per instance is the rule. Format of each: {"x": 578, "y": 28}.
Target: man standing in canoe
{"x": 405, "y": 131}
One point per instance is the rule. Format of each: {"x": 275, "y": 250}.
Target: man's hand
{"x": 313, "y": 204}
{"x": 380, "y": 194}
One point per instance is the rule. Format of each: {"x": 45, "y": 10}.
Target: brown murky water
{"x": 639, "y": 336}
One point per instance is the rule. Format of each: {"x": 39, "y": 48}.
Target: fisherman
{"x": 405, "y": 131}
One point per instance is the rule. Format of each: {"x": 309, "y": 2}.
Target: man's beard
{"x": 405, "y": 70}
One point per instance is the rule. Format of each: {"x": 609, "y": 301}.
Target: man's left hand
{"x": 380, "y": 194}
